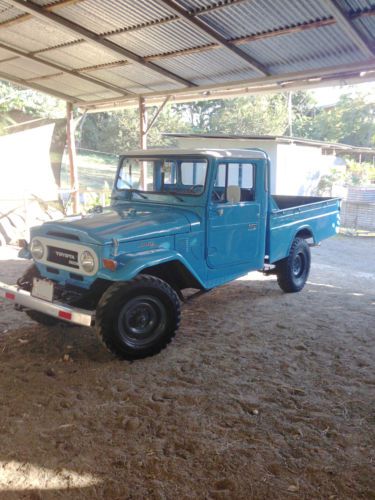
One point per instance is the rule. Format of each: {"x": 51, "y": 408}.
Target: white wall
{"x": 300, "y": 168}
{"x": 25, "y": 164}
{"x": 295, "y": 169}
{"x": 200, "y": 142}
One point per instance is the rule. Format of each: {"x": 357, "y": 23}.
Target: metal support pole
{"x": 71, "y": 145}
{"x": 143, "y": 139}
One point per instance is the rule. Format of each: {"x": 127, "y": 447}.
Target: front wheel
{"x": 138, "y": 318}
{"x": 293, "y": 271}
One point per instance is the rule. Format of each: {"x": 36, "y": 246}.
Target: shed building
{"x": 297, "y": 165}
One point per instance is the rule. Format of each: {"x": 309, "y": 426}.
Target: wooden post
{"x": 143, "y": 139}
{"x": 71, "y": 145}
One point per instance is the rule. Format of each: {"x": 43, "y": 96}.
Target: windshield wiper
{"x": 139, "y": 192}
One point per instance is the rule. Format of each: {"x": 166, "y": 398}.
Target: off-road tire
{"x": 25, "y": 282}
{"x": 293, "y": 271}
{"x": 149, "y": 294}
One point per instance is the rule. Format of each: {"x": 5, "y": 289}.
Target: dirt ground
{"x": 262, "y": 395}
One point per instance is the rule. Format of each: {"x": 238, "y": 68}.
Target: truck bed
{"x": 290, "y": 214}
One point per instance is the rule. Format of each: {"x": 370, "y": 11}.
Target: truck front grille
{"x": 63, "y": 257}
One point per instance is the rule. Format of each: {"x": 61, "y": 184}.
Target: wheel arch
{"x": 175, "y": 273}
{"x": 168, "y": 266}
{"x": 305, "y": 232}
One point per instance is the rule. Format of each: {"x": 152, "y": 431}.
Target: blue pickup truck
{"x": 179, "y": 219}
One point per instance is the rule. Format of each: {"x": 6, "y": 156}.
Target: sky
{"x": 330, "y": 95}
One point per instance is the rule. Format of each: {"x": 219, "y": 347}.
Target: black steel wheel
{"x": 138, "y": 318}
{"x": 293, "y": 271}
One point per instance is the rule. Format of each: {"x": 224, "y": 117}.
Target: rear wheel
{"x": 293, "y": 271}
{"x": 138, "y": 318}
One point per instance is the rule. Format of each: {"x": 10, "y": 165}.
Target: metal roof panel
{"x": 249, "y": 18}
{"x": 24, "y": 68}
{"x": 8, "y": 12}
{"x": 33, "y": 35}
{"x": 357, "y": 5}
{"x": 79, "y": 55}
{"x": 162, "y": 38}
{"x": 208, "y": 67}
{"x": 367, "y": 26}
{"x": 321, "y": 47}
{"x": 102, "y": 16}
{"x": 75, "y": 86}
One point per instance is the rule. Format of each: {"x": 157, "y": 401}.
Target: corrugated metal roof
{"x": 105, "y": 15}
{"x": 321, "y": 47}
{"x": 8, "y": 12}
{"x": 79, "y": 56}
{"x": 367, "y": 27}
{"x": 203, "y": 68}
{"x": 162, "y": 38}
{"x": 146, "y": 47}
{"x": 33, "y": 35}
{"x": 22, "y": 68}
{"x": 357, "y": 5}
{"x": 249, "y": 18}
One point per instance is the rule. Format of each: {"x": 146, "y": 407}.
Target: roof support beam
{"x": 93, "y": 38}
{"x": 204, "y": 28}
{"x": 361, "y": 72}
{"x": 39, "y": 88}
{"x": 344, "y": 20}
{"x": 48, "y": 8}
{"x": 238, "y": 41}
{"x": 246, "y": 39}
{"x": 62, "y": 69}
{"x": 157, "y": 114}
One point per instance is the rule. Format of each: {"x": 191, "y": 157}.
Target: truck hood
{"x": 123, "y": 223}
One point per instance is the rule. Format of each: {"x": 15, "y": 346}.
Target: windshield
{"x": 162, "y": 176}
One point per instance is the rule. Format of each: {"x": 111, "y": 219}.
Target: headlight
{"x": 37, "y": 249}
{"x": 87, "y": 261}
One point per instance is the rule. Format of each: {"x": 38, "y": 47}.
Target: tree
{"x": 350, "y": 121}
{"x": 29, "y": 102}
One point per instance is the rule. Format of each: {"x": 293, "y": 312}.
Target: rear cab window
{"x": 237, "y": 174}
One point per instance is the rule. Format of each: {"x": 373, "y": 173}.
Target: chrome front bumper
{"x": 57, "y": 310}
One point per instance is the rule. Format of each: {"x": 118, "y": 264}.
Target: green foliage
{"x": 28, "y": 102}
{"x": 356, "y": 174}
{"x": 350, "y": 121}
{"x": 359, "y": 173}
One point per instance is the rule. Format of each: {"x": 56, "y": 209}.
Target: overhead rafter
{"x": 246, "y": 39}
{"x": 344, "y": 20}
{"x": 39, "y": 88}
{"x": 204, "y": 28}
{"x": 296, "y": 28}
{"x": 313, "y": 78}
{"x": 93, "y": 38}
{"x": 62, "y": 69}
{"x": 48, "y": 8}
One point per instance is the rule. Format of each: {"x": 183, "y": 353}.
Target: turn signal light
{"x": 10, "y": 296}
{"x": 110, "y": 264}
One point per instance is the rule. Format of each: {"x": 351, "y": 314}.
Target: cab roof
{"x": 251, "y": 153}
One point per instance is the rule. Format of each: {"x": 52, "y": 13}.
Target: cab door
{"x": 235, "y": 226}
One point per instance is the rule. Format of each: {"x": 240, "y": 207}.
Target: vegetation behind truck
{"x": 178, "y": 219}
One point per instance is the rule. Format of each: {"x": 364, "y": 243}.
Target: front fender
{"x": 130, "y": 265}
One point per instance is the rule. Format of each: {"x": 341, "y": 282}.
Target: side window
{"x": 193, "y": 173}
{"x": 169, "y": 171}
{"x": 234, "y": 174}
